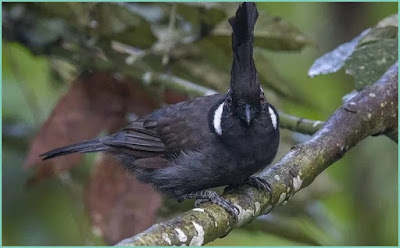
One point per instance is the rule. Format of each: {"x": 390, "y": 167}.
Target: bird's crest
{"x": 244, "y": 78}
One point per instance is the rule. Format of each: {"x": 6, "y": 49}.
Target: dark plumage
{"x": 186, "y": 148}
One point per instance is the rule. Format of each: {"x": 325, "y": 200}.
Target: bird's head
{"x": 244, "y": 102}
{"x": 242, "y": 111}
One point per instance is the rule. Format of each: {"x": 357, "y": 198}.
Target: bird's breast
{"x": 254, "y": 150}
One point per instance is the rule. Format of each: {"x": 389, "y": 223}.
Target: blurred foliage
{"x": 45, "y": 45}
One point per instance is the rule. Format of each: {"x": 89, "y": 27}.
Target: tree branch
{"x": 298, "y": 124}
{"x": 372, "y": 111}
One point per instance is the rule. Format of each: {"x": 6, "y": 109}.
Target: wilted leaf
{"x": 271, "y": 79}
{"x": 111, "y": 18}
{"x": 94, "y": 103}
{"x": 152, "y": 12}
{"x": 376, "y": 34}
{"x": 392, "y": 20}
{"x": 46, "y": 31}
{"x": 62, "y": 69}
{"x": 213, "y": 56}
{"x": 202, "y": 17}
{"x": 77, "y": 15}
{"x": 368, "y": 63}
{"x": 73, "y": 12}
{"x": 194, "y": 69}
{"x": 209, "y": 55}
{"x": 107, "y": 20}
{"x": 334, "y": 60}
{"x": 272, "y": 33}
{"x": 277, "y": 34}
{"x": 116, "y": 22}
{"x": 119, "y": 206}
{"x": 38, "y": 33}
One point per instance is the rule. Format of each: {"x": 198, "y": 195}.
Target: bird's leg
{"x": 208, "y": 195}
{"x": 259, "y": 183}
{"x": 254, "y": 181}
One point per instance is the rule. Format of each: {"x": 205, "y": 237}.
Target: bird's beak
{"x": 247, "y": 114}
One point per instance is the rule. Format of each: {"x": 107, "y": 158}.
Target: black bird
{"x": 186, "y": 148}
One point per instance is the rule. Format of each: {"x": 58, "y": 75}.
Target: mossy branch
{"x": 372, "y": 111}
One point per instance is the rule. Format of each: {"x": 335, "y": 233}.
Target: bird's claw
{"x": 208, "y": 195}
{"x": 259, "y": 183}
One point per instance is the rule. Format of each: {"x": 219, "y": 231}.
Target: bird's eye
{"x": 228, "y": 100}
{"x": 262, "y": 97}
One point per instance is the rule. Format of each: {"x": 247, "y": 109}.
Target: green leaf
{"x": 370, "y": 61}
{"x": 26, "y": 79}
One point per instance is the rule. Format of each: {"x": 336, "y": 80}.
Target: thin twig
{"x": 170, "y": 33}
{"x": 298, "y": 124}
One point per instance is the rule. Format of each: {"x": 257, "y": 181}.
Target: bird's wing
{"x": 185, "y": 125}
{"x": 166, "y": 132}
{"x": 136, "y": 140}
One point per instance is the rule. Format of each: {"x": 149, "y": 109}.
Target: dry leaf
{"x": 95, "y": 102}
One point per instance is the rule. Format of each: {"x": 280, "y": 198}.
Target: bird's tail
{"x": 94, "y": 145}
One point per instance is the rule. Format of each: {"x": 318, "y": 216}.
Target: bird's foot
{"x": 208, "y": 195}
{"x": 259, "y": 183}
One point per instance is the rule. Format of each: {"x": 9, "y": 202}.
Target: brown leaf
{"x": 119, "y": 206}
{"x": 95, "y": 102}
{"x": 171, "y": 97}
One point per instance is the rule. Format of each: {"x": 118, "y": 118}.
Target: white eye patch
{"x": 273, "y": 117}
{"x": 217, "y": 119}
